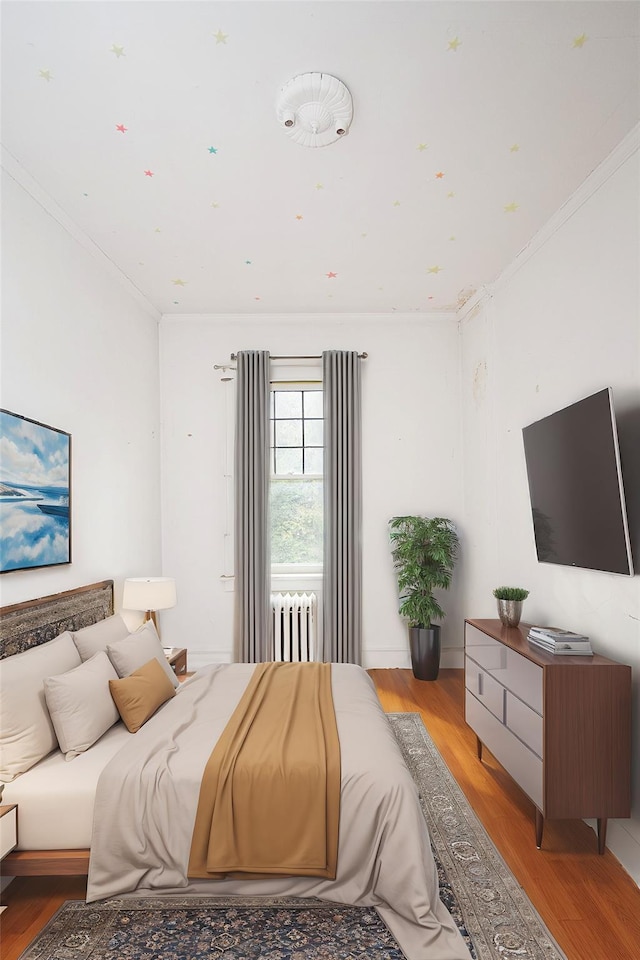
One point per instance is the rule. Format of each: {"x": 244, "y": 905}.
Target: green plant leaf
{"x": 424, "y": 551}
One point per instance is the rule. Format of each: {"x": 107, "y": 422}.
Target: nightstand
{"x": 177, "y": 657}
{"x": 8, "y": 828}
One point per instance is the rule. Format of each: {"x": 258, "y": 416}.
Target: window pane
{"x": 288, "y": 460}
{"x": 288, "y": 403}
{"x": 313, "y": 460}
{"x": 313, "y": 403}
{"x": 313, "y": 433}
{"x": 296, "y": 521}
{"x": 288, "y": 433}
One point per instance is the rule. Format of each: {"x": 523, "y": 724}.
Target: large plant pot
{"x": 425, "y": 652}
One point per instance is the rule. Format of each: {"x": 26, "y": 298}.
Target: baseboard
{"x": 623, "y": 845}
{"x": 450, "y": 658}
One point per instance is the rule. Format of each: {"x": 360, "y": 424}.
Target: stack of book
{"x": 558, "y": 641}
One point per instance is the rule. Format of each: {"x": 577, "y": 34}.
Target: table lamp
{"x": 149, "y": 594}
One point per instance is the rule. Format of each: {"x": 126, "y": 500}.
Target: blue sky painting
{"x": 35, "y": 491}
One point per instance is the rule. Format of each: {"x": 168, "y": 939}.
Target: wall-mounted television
{"x": 576, "y": 489}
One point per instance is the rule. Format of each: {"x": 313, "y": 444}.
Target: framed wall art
{"x": 35, "y": 494}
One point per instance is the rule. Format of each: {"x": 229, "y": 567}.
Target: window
{"x": 296, "y": 474}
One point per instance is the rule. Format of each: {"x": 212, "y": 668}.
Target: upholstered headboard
{"x": 27, "y": 624}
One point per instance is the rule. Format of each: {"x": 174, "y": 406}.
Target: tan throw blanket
{"x": 269, "y": 801}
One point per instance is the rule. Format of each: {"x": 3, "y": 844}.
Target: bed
{"x": 67, "y": 808}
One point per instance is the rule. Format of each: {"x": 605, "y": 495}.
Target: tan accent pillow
{"x": 138, "y": 696}
{"x": 93, "y": 639}
{"x": 80, "y": 705}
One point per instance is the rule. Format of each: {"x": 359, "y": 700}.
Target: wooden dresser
{"x": 560, "y": 725}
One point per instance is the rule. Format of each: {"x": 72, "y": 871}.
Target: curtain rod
{"x": 234, "y": 357}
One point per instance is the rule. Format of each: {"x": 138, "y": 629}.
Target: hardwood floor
{"x": 589, "y": 903}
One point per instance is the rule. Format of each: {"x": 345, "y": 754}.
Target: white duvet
{"x": 147, "y": 796}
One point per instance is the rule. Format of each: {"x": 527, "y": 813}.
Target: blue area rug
{"x": 195, "y": 930}
{"x": 492, "y": 912}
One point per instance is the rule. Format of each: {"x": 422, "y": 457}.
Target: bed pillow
{"x": 93, "y": 639}
{"x": 137, "y": 648}
{"x": 80, "y": 704}
{"x": 26, "y": 731}
{"x": 139, "y": 695}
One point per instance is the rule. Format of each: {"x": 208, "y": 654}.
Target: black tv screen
{"x": 575, "y": 485}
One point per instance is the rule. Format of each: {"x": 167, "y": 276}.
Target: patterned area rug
{"x": 493, "y": 914}
{"x": 485, "y": 897}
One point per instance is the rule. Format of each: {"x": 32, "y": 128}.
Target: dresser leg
{"x": 539, "y": 828}
{"x": 602, "y": 833}
{"x": 479, "y": 747}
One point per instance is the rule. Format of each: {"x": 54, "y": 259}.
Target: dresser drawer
{"x": 524, "y": 722}
{"x": 482, "y": 685}
{"x": 513, "y": 671}
{"x": 484, "y": 649}
{"x": 517, "y": 759}
{"x": 523, "y": 678}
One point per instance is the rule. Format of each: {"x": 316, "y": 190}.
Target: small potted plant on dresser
{"x": 510, "y": 601}
{"x": 424, "y": 551}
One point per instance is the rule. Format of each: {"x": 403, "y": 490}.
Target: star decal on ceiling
{"x": 511, "y": 207}
{"x": 299, "y": 216}
{"x": 450, "y": 195}
{"x": 435, "y": 269}
{"x": 514, "y": 148}
{"x": 220, "y": 37}
{"x": 118, "y": 51}
{"x": 149, "y": 173}
{"x": 331, "y": 275}
{"x": 452, "y": 237}
{"x": 46, "y": 75}
{"x": 454, "y": 44}
{"x": 396, "y": 203}
{"x": 215, "y": 205}
{"x": 178, "y": 282}
{"x": 157, "y": 230}
{"x": 257, "y": 298}
{"x": 248, "y": 263}
{"x": 212, "y": 149}
{"x": 422, "y": 146}
{"x": 580, "y": 41}
{"x": 439, "y": 175}
{"x": 121, "y": 127}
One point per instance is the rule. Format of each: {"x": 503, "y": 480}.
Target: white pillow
{"x": 80, "y": 704}
{"x": 26, "y": 731}
{"x": 137, "y": 649}
{"x": 93, "y": 639}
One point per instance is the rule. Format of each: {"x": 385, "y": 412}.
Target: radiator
{"x": 294, "y": 626}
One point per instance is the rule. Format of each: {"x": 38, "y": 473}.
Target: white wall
{"x": 80, "y": 354}
{"x": 563, "y": 324}
{"x": 411, "y": 460}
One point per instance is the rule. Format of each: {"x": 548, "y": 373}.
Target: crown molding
{"x": 336, "y": 319}
{"x": 17, "y": 172}
{"x": 627, "y": 147}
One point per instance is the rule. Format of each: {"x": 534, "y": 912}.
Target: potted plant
{"x": 424, "y": 551}
{"x": 510, "y": 604}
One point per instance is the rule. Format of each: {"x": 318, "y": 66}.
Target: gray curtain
{"x": 342, "y": 590}
{"x": 253, "y": 632}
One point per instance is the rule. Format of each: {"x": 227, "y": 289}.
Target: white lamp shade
{"x": 149, "y": 593}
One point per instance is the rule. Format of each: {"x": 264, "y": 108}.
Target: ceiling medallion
{"x": 315, "y": 109}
